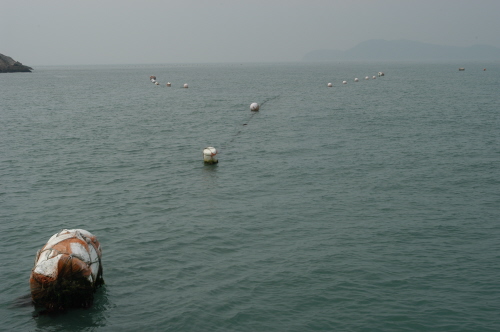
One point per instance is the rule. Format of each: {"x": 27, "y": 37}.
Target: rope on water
{"x": 225, "y": 146}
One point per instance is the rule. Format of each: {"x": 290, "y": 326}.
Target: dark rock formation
{"x": 9, "y": 65}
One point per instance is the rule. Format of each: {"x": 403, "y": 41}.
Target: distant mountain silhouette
{"x": 405, "y": 50}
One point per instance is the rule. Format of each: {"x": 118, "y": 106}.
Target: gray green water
{"x": 370, "y": 206}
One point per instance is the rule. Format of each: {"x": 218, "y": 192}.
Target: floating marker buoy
{"x": 209, "y": 155}
{"x": 169, "y": 84}
{"x": 356, "y": 80}
{"x": 484, "y": 69}
{"x": 152, "y": 78}
{"x": 157, "y": 83}
{"x": 344, "y": 82}
{"x": 367, "y": 78}
{"x": 461, "y": 69}
{"x": 374, "y": 77}
{"x": 380, "y": 73}
{"x": 185, "y": 85}
{"x": 254, "y": 107}
{"x": 329, "y": 85}
{"x": 67, "y": 271}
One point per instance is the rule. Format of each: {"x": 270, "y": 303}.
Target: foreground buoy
{"x": 344, "y": 82}
{"x": 461, "y": 69}
{"x": 209, "y": 155}
{"x": 254, "y": 107}
{"x": 152, "y": 78}
{"x": 156, "y": 83}
{"x": 185, "y": 85}
{"x": 169, "y": 84}
{"x": 356, "y": 80}
{"x": 67, "y": 271}
{"x": 367, "y": 78}
{"x": 374, "y": 77}
{"x": 380, "y": 74}
{"x": 329, "y": 85}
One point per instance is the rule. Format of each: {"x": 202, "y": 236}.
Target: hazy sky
{"x": 52, "y": 32}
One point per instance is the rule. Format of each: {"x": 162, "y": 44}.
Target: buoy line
{"x": 231, "y": 140}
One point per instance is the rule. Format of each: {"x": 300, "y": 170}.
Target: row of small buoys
{"x": 67, "y": 271}
{"x": 462, "y": 69}
{"x": 153, "y": 80}
{"x": 357, "y": 79}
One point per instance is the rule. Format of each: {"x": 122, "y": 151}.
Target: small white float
{"x": 209, "y": 155}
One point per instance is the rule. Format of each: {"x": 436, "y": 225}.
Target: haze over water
{"x": 369, "y": 206}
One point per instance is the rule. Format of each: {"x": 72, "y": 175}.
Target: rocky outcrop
{"x": 9, "y": 65}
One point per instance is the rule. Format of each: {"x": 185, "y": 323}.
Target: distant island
{"x": 9, "y": 65}
{"x": 405, "y": 50}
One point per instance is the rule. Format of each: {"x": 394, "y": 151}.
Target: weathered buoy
{"x": 374, "y": 77}
{"x": 152, "y": 78}
{"x": 156, "y": 83}
{"x": 380, "y": 74}
{"x": 169, "y": 84}
{"x": 185, "y": 85}
{"x": 67, "y": 271}
{"x": 356, "y": 80}
{"x": 254, "y": 107}
{"x": 367, "y": 78}
{"x": 209, "y": 155}
{"x": 484, "y": 69}
{"x": 344, "y": 82}
{"x": 461, "y": 69}
{"x": 329, "y": 85}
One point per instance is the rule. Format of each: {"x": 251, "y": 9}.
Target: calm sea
{"x": 367, "y": 206}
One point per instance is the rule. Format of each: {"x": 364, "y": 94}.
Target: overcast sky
{"x": 68, "y": 32}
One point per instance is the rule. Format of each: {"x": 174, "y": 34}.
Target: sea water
{"x": 367, "y": 206}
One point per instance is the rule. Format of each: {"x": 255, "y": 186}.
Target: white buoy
{"x": 185, "y": 85}
{"x": 153, "y": 80}
{"x": 157, "y": 83}
{"x": 380, "y": 73}
{"x": 169, "y": 84}
{"x": 254, "y": 107}
{"x": 356, "y": 80}
{"x": 344, "y": 82}
{"x": 329, "y": 85}
{"x": 367, "y": 78}
{"x": 209, "y": 155}
{"x": 374, "y": 77}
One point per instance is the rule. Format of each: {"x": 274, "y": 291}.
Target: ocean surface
{"x": 367, "y": 206}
